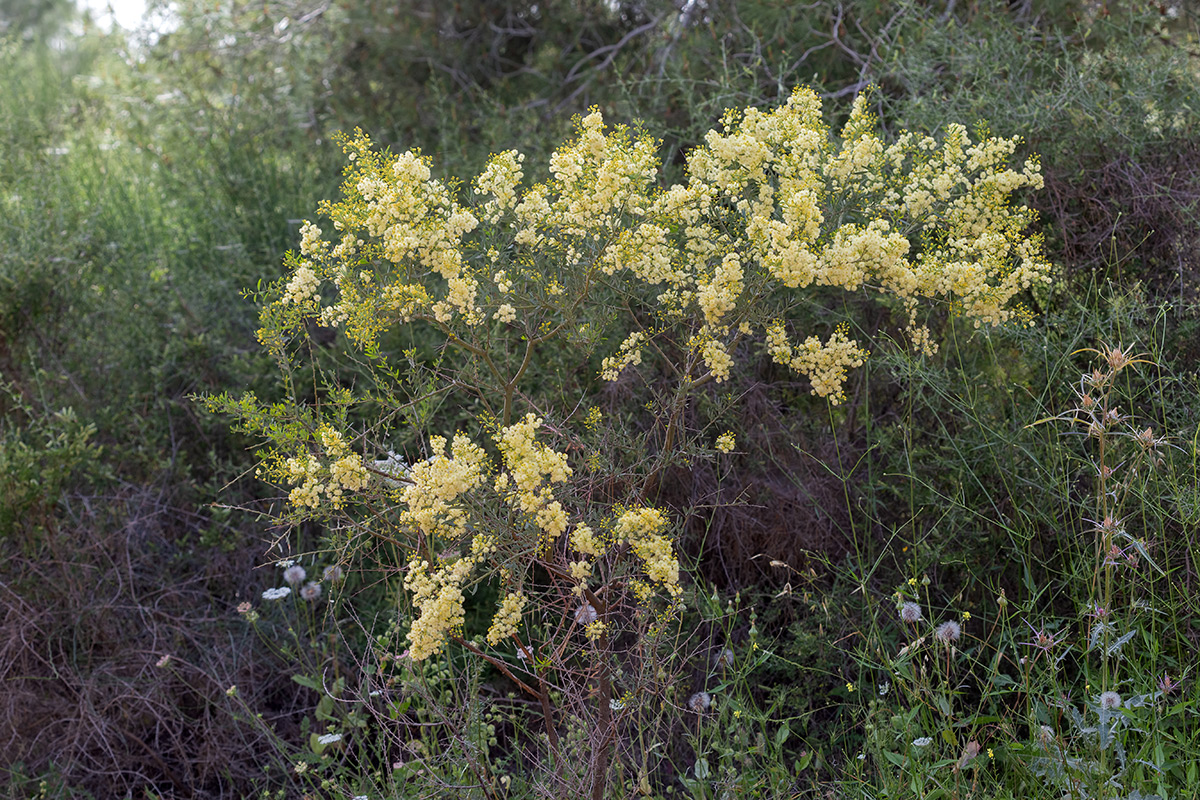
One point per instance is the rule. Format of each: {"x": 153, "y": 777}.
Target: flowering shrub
{"x": 686, "y": 277}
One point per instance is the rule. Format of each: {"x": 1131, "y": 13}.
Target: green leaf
{"x": 308, "y": 682}
{"x": 782, "y": 734}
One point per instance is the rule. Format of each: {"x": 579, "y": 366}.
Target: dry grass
{"x": 84, "y": 624}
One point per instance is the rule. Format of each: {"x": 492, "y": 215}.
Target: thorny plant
{"x": 964, "y": 697}
{"x": 685, "y": 278}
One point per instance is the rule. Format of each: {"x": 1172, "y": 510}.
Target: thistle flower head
{"x": 1042, "y": 639}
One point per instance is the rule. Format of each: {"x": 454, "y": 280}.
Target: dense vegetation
{"x": 951, "y": 584}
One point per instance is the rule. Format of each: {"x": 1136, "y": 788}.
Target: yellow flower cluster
{"x": 594, "y": 630}
{"x": 824, "y": 364}
{"x": 642, "y": 529}
{"x": 345, "y": 472}
{"x": 500, "y": 179}
{"x": 715, "y": 356}
{"x": 772, "y": 202}
{"x": 439, "y": 598}
{"x": 588, "y": 543}
{"x": 628, "y": 353}
{"x": 505, "y": 623}
{"x": 719, "y": 295}
{"x": 584, "y": 539}
{"x": 437, "y": 483}
{"x": 311, "y": 243}
{"x": 302, "y": 288}
{"x": 534, "y": 469}
{"x": 725, "y": 442}
{"x": 598, "y": 178}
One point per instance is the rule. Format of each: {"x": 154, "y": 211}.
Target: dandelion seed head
{"x": 1110, "y": 700}
{"x": 585, "y": 614}
{"x": 294, "y": 574}
{"x": 333, "y": 573}
{"x": 311, "y": 591}
{"x": 700, "y": 702}
{"x": 949, "y": 631}
{"x": 910, "y": 612}
{"x": 724, "y": 659}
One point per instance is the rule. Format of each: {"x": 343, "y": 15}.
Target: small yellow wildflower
{"x": 725, "y": 442}
{"x": 595, "y": 630}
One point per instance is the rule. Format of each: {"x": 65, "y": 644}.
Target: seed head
{"x": 1110, "y": 700}
{"x": 724, "y": 659}
{"x": 700, "y": 702}
{"x": 294, "y": 574}
{"x": 948, "y": 632}
{"x": 311, "y": 591}
{"x": 585, "y": 614}
{"x": 910, "y": 612}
